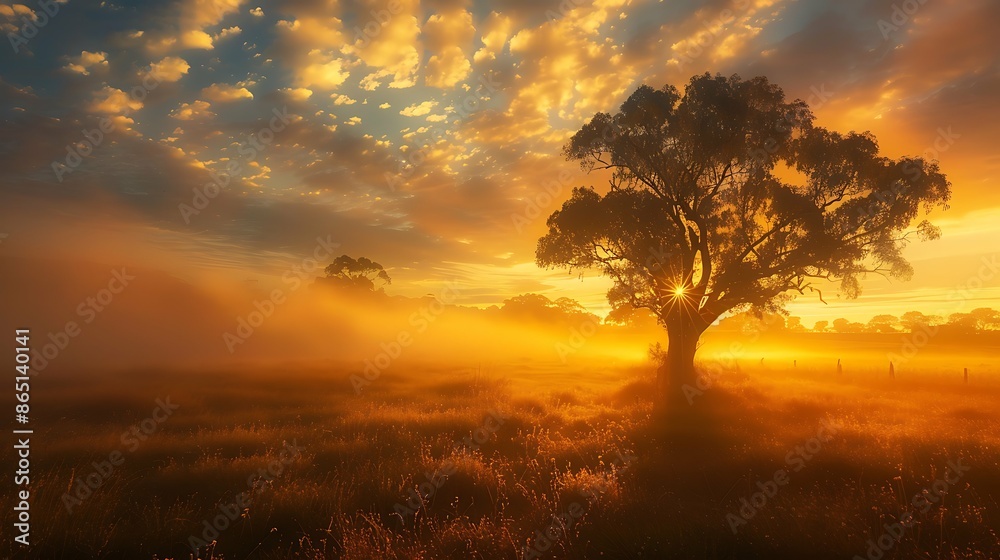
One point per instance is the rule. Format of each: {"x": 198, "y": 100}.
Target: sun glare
{"x": 679, "y": 291}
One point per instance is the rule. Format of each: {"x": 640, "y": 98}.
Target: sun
{"x": 679, "y": 291}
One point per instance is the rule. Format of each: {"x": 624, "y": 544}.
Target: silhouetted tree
{"x": 978, "y": 320}
{"x": 747, "y": 198}
{"x": 360, "y": 273}
{"x": 540, "y": 308}
{"x": 749, "y": 323}
{"x": 844, "y": 326}
{"x": 794, "y": 324}
{"x": 987, "y": 319}
{"x": 913, "y": 321}
{"x": 820, "y": 326}
{"x": 883, "y": 323}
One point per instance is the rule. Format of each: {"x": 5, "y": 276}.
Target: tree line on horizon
{"x": 364, "y": 276}
{"x": 979, "y": 320}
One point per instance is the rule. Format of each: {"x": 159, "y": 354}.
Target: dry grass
{"x": 648, "y": 486}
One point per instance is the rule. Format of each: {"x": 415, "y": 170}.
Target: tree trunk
{"x": 677, "y": 377}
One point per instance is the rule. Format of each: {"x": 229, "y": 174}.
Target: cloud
{"x": 448, "y": 68}
{"x": 257, "y": 12}
{"x": 566, "y": 68}
{"x": 170, "y": 69}
{"x": 184, "y": 26}
{"x": 190, "y": 111}
{"x": 227, "y": 32}
{"x": 222, "y": 93}
{"x": 370, "y": 82}
{"x": 297, "y": 94}
{"x": 394, "y": 52}
{"x": 419, "y": 109}
{"x": 86, "y": 61}
{"x": 322, "y": 75}
{"x": 340, "y": 99}
{"x": 309, "y": 29}
{"x": 111, "y": 101}
{"x": 309, "y": 41}
{"x": 205, "y": 13}
{"x": 496, "y": 31}
{"x": 448, "y": 35}
{"x": 196, "y": 39}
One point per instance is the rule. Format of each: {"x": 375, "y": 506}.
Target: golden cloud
{"x": 297, "y": 94}
{"x": 419, "y": 109}
{"x": 197, "y": 109}
{"x": 87, "y": 60}
{"x": 111, "y": 101}
{"x": 496, "y": 31}
{"x": 339, "y": 99}
{"x": 222, "y": 93}
{"x": 170, "y": 69}
{"x": 393, "y": 48}
{"x": 322, "y": 75}
{"x": 448, "y": 68}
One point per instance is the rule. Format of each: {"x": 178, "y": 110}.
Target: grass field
{"x": 431, "y": 463}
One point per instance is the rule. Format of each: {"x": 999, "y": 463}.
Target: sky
{"x": 223, "y": 138}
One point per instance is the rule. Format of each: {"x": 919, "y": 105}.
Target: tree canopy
{"x": 361, "y": 273}
{"x": 729, "y": 197}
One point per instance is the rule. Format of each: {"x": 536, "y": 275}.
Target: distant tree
{"x": 963, "y": 323}
{"x": 820, "y": 326}
{"x": 740, "y": 322}
{"x": 913, "y": 321}
{"x": 748, "y": 323}
{"x": 794, "y": 324}
{"x": 621, "y": 315}
{"x": 701, "y": 179}
{"x": 569, "y": 306}
{"x": 541, "y": 308}
{"x": 986, "y": 319}
{"x": 528, "y": 305}
{"x": 978, "y": 320}
{"x": 883, "y": 323}
{"x": 360, "y": 273}
{"x": 844, "y": 326}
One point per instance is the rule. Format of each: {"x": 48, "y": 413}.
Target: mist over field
{"x": 303, "y": 319}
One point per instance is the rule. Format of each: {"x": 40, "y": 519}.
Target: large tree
{"x": 360, "y": 274}
{"x": 728, "y": 198}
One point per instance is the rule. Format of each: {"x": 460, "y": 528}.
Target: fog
{"x": 103, "y": 290}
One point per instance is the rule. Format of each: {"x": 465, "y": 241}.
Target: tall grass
{"x": 649, "y": 486}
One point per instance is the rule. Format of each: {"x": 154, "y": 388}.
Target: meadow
{"x": 514, "y": 461}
